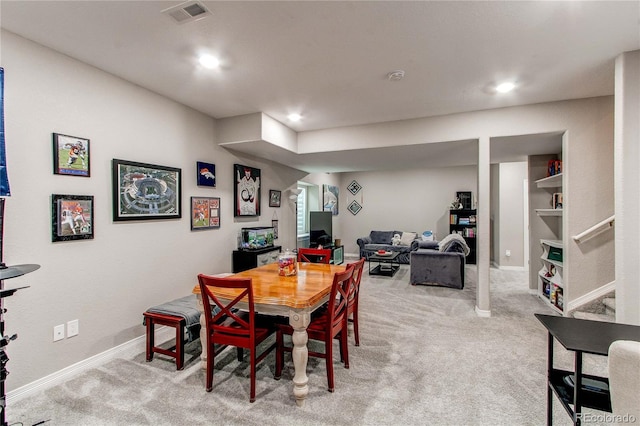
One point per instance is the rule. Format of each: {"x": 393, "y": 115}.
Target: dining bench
{"x": 181, "y": 314}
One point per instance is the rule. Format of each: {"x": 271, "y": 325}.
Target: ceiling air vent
{"x": 187, "y": 12}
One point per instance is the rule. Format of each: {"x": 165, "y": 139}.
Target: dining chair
{"x": 354, "y": 292}
{"x": 329, "y": 324}
{"x": 314, "y": 255}
{"x": 230, "y": 326}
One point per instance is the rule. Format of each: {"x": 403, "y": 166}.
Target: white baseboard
{"x": 507, "y": 268}
{"x": 591, "y": 296}
{"x": 483, "y": 313}
{"x": 126, "y": 350}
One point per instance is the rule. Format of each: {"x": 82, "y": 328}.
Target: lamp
{"x": 293, "y": 197}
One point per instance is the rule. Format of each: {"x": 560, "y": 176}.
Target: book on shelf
{"x": 463, "y": 221}
{"x": 453, "y": 219}
{"x": 556, "y": 200}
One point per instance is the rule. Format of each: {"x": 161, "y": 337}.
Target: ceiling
{"x": 329, "y": 60}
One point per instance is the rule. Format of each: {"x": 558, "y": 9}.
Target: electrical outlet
{"x": 58, "y": 332}
{"x": 507, "y": 253}
{"x": 73, "y": 328}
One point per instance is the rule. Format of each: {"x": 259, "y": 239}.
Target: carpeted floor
{"x": 425, "y": 358}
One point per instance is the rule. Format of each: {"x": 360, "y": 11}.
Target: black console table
{"x": 249, "y": 259}
{"x": 581, "y": 336}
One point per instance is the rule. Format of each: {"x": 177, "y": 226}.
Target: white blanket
{"x": 449, "y": 239}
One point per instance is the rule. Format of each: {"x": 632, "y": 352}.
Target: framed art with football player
{"x": 71, "y": 155}
{"x": 206, "y": 175}
{"x": 145, "y": 191}
{"x": 205, "y": 213}
{"x": 71, "y": 217}
{"x": 246, "y": 193}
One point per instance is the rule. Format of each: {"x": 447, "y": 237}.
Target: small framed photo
{"x": 71, "y": 217}
{"x": 205, "y": 213}
{"x": 274, "y": 198}
{"x": 145, "y": 191}
{"x": 71, "y": 155}
{"x": 274, "y": 224}
{"x": 206, "y": 174}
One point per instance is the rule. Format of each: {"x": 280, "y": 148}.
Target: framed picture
{"x": 330, "y": 199}
{"x": 246, "y": 192}
{"x": 71, "y": 217}
{"x": 274, "y": 198}
{"x": 145, "y": 191}
{"x": 71, "y": 155}
{"x": 354, "y": 207}
{"x": 464, "y": 197}
{"x": 274, "y": 224}
{"x": 354, "y": 187}
{"x": 206, "y": 174}
{"x": 205, "y": 213}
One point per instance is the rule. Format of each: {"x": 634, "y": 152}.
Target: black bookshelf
{"x": 463, "y": 222}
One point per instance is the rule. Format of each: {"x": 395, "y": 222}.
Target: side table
{"x": 581, "y": 336}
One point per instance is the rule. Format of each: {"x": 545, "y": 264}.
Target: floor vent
{"x": 187, "y": 12}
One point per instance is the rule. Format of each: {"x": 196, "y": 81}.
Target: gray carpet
{"x": 425, "y": 358}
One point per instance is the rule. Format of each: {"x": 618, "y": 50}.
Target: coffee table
{"x": 387, "y": 265}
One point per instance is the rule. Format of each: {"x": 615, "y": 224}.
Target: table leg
{"x": 549, "y": 390}
{"x": 300, "y": 354}
{"x": 203, "y": 333}
{"x": 577, "y": 389}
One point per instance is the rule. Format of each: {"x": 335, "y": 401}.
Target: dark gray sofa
{"x": 381, "y": 240}
{"x": 430, "y": 266}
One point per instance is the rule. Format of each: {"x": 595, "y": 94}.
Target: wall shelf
{"x": 549, "y": 212}
{"x": 554, "y": 181}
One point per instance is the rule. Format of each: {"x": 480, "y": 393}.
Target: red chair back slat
{"x": 314, "y": 255}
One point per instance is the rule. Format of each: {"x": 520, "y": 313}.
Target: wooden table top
{"x": 305, "y": 290}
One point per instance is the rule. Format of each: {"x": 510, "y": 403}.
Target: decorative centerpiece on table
{"x": 287, "y": 264}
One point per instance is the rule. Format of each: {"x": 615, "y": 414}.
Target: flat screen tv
{"x": 320, "y": 229}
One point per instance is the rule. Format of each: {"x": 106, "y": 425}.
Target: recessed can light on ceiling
{"x": 209, "y": 61}
{"x": 505, "y": 87}
{"x": 294, "y": 117}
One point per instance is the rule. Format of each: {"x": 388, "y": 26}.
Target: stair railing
{"x": 595, "y": 230}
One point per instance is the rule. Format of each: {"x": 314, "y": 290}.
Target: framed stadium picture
{"x": 205, "y": 213}
{"x": 71, "y": 217}
{"x": 145, "y": 191}
{"x": 71, "y": 155}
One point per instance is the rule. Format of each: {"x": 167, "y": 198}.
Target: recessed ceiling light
{"x": 294, "y": 117}
{"x": 505, "y": 87}
{"x": 209, "y": 61}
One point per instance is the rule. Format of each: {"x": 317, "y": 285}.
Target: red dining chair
{"x": 314, "y": 255}
{"x": 354, "y": 292}
{"x": 330, "y": 324}
{"x": 230, "y": 326}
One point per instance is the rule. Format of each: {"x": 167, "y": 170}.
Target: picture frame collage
{"x": 144, "y": 191}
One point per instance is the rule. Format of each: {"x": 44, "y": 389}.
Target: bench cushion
{"x": 185, "y": 307}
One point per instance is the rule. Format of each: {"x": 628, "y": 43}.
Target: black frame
{"x": 212, "y": 205}
{"x": 205, "y": 174}
{"x": 251, "y": 192}
{"x": 65, "y": 144}
{"x": 275, "y": 198}
{"x": 65, "y": 210}
{"x": 162, "y": 182}
{"x": 465, "y": 198}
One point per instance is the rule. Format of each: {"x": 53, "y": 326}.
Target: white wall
{"x": 109, "y": 281}
{"x": 627, "y": 207}
{"x": 413, "y": 200}
{"x": 511, "y": 223}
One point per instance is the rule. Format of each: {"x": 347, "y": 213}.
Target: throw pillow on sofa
{"x": 381, "y": 237}
{"x": 407, "y": 238}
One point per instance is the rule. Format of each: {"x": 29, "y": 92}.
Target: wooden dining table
{"x": 295, "y": 297}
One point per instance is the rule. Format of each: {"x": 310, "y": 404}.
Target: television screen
{"x": 320, "y": 229}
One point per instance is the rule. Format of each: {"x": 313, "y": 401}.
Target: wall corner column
{"x": 483, "y": 294}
